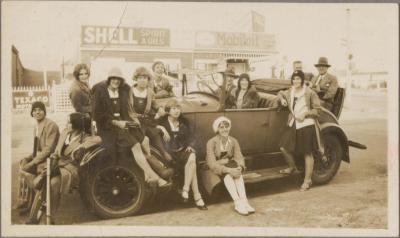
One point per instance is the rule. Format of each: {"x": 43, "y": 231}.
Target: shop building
{"x": 101, "y": 46}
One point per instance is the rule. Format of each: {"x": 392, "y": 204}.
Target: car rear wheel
{"x": 324, "y": 171}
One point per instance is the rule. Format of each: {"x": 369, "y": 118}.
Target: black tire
{"x": 324, "y": 171}
{"x": 115, "y": 191}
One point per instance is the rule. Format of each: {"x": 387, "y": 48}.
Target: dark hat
{"x": 38, "y": 104}
{"x": 231, "y": 72}
{"x": 115, "y": 72}
{"x": 298, "y": 73}
{"x": 322, "y": 61}
{"x": 80, "y": 121}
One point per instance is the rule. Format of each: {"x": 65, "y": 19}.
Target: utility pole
{"x": 349, "y": 56}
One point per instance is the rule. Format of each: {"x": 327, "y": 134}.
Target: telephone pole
{"x": 349, "y": 56}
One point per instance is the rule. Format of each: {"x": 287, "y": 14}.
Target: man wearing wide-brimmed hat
{"x": 324, "y": 84}
{"x": 230, "y": 87}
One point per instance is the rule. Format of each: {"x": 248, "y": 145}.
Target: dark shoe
{"x": 200, "y": 204}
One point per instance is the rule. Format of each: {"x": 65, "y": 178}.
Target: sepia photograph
{"x": 133, "y": 118}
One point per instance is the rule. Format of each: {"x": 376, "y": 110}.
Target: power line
{"x": 114, "y": 32}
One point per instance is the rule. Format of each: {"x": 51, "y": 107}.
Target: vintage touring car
{"x": 117, "y": 188}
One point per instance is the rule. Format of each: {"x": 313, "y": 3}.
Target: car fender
{"x": 92, "y": 155}
{"x": 337, "y": 130}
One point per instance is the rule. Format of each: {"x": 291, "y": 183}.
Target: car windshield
{"x": 203, "y": 81}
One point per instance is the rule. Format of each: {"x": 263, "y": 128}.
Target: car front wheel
{"x": 115, "y": 191}
{"x": 325, "y": 170}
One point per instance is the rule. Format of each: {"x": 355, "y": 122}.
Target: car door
{"x": 249, "y": 127}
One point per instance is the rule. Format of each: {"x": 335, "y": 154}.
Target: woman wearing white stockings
{"x": 225, "y": 159}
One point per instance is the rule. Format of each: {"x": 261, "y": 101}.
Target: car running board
{"x": 256, "y": 176}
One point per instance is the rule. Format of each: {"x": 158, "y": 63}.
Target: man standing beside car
{"x": 324, "y": 84}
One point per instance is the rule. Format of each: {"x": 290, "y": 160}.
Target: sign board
{"x": 257, "y": 22}
{"x": 124, "y": 36}
{"x": 229, "y": 40}
{"x": 24, "y": 99}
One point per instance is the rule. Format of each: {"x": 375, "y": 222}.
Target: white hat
{"x": 218, "y": 121}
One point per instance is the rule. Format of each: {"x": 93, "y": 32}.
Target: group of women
{"x": 128, "y": 116}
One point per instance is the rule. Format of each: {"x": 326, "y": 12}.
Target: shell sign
{"x": 124, "y": 36}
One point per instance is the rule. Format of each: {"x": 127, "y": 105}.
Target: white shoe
{"x": 241, "y": 208}
{"x": 249, "y": 208}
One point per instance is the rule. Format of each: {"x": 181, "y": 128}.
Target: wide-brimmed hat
{"x": 322, "y": 61}
{"x": 231, "y": 72}
{"x": 115, "y": 72}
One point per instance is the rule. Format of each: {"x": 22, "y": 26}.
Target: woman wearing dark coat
{"x": 179, "y": 140}
{"x": 79, "y": 92}
{"x": 118, "y": 125}
{"x": 245, "y": 96}
{"x": 300, "y": 138}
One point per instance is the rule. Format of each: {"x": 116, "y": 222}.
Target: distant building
{"x": 178, "y": 49}
{"x": 21, "y": 76}
{"x": 17, "y": 68}
{"x": 370, "y": 80}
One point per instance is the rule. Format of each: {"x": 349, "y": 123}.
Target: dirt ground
{"x": 355, "y": 198}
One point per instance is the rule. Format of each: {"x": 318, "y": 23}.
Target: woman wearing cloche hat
{"x": 300, "y": 138}
{"x": 225, "y": 160}
{"x": 117, "y": 124}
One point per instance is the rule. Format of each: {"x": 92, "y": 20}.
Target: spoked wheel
{"x": 326, "y": 168}
{"x": 116, "y": 191}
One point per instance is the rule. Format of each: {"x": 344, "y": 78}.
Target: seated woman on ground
{"x": 225, "y": 160}
{"x": 179, "y": 141}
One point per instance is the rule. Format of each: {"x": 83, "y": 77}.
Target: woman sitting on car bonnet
{"x": 179, "y": 142}
{"x": 300, "y": 138}
{"x": 160, "y": 83}
{"x": 118, "y": 125}
{"x": 225, "y": 159}
{"x": 80, "y": 93}
{"x": 144, "y": 106}
{"x": 71, "y": 146}
{"x": 245, "y": 96}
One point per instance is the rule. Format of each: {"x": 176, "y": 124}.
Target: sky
{"x": 45, "y": 32}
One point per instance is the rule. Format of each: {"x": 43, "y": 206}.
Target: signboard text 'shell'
{"x": 101, "y": 35}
